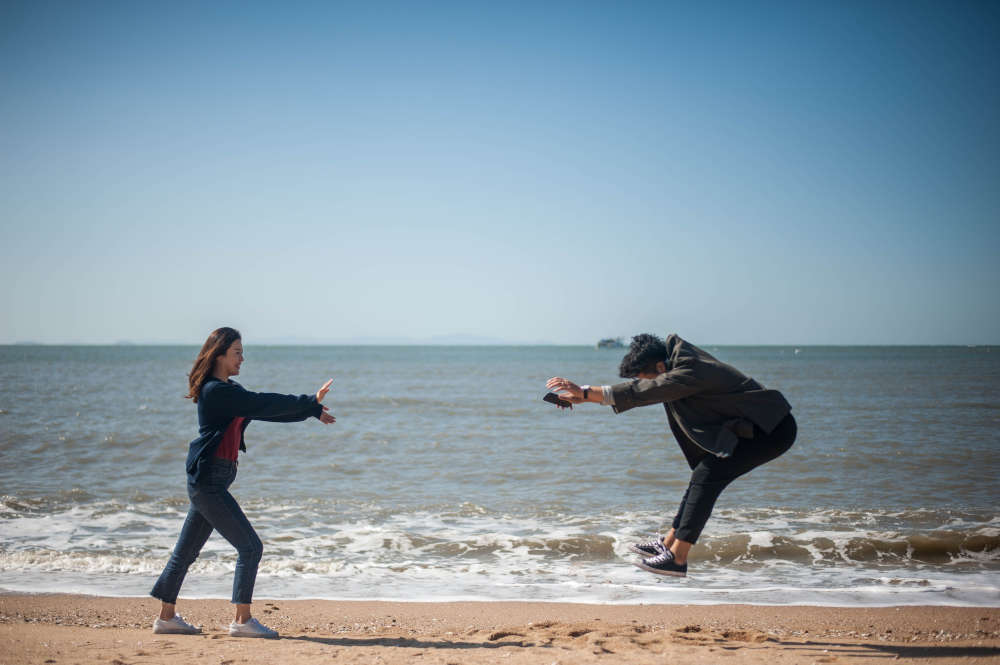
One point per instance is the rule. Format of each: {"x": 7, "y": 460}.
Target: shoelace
{"x": 179, "y": 621}
{"x": 254, "y": 623}
{"x": 656, "y": 545}
{"x": 661, "y": 558}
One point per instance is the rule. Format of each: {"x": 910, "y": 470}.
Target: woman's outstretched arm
{"x": 324, "y": 416}
{"x": 231, "y": 399}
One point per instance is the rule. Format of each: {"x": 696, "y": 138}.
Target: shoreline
{"x": 64, "y": 628}
{"x": 450, "y": 600}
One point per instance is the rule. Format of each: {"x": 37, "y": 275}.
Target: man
{"x": 725, "y": 423}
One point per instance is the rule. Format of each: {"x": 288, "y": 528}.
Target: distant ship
{"x": 611, "y": 343}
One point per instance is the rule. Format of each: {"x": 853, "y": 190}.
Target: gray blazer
{"x": 713, "y": 403}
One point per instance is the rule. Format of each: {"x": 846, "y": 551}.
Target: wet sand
{"x": 84, "y": 630}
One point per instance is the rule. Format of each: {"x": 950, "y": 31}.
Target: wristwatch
{"x": 586, "y": 391}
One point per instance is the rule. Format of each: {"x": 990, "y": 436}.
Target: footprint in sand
{"x": 746, "y": 636}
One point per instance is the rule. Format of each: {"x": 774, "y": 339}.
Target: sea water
{"x": 446, "y": 477}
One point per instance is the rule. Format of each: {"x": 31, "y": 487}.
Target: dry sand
{"x": 67, "y": 629}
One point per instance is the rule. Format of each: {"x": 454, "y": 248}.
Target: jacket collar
{"x": 673, "y": 343}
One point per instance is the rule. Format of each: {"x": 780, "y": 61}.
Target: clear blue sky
{"x": 741, "y": 173}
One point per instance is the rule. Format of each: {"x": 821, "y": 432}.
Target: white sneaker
{"x": 174, "y": 626}
{"x": 251, "y": 628}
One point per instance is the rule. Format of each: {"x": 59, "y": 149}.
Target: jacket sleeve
{"x": 291, "y": 417}
{"x": 672, "y": 385}
{"x": 232, "y": 400}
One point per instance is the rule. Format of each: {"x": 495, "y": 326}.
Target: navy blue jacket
{"x": 219, "y": 402}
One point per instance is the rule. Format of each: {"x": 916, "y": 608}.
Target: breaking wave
{"x": 328, "y": 549}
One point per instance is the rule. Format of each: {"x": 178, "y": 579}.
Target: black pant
{"x": 713, "y": 474}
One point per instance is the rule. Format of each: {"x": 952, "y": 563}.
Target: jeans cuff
{"x": 161, "y": 599}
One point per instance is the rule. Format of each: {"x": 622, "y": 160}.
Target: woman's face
{"x": 229, "y": 363}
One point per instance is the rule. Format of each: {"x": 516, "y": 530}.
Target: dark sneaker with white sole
{"x": 649, "y": 548}
{"x": 664, "y": 564}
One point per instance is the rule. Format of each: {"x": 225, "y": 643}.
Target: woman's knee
{"x": 182, "y": 560}
{"x": 252, "y": 549}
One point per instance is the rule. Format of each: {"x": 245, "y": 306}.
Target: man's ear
{"x": 661, "y": 367}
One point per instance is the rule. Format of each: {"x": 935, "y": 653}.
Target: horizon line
{"x": 124, "y": 343}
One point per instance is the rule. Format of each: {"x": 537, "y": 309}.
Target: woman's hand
{"x": 568, "y": 390}
{"x": 325, "y": 417}
{"x": 321, "y": 393}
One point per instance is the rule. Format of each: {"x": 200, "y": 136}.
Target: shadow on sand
{"x": 408, "y": 643}
{"x": 890, "y": 651}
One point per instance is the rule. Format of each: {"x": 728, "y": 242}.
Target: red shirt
{"x": 229, "y": 448}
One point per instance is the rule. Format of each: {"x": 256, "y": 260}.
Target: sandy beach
{"x": 72, "y": 629}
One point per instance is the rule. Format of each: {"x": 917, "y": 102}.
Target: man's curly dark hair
{"x": 643, "y": 353}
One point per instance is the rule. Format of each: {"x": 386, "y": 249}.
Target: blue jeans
{"x": 213, "y": 508}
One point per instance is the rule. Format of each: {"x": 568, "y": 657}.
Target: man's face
{"x": 653, "y": 371}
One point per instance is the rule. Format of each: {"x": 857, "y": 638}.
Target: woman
{"x": 726, "y": 424}
{"x": 224, "y": 411}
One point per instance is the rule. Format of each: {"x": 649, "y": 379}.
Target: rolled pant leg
{"x": 676, "y": 524}
{"x": 703, "y": 491}
{"x": 713, "y": 474}
{"x": 194, "y": 533}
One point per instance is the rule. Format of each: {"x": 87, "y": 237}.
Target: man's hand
{"x": 567, "y": 390}
{"x": 326, "y": 418}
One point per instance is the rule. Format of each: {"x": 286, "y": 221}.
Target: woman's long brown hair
{"x": 216, "y": 345}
